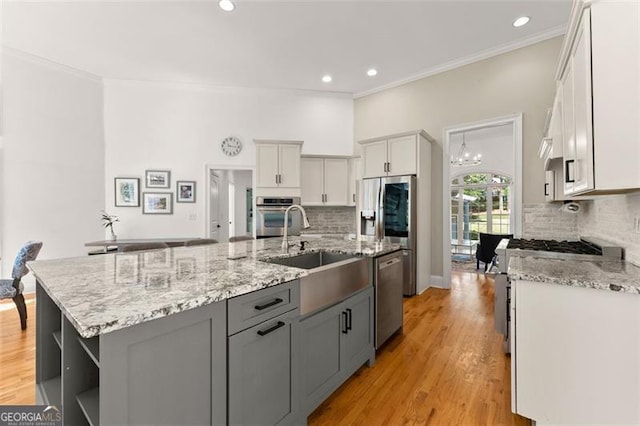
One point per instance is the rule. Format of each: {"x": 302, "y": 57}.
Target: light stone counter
{"x": 100, "y": 294}
{"x": 610, "y": 275}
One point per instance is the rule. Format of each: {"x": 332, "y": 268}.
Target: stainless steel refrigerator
{"x": 388, "y": 213}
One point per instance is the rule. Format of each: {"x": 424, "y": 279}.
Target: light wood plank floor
{"x": 447, "y": 368}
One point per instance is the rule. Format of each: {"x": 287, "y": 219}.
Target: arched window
{"x": 480, "y": 202}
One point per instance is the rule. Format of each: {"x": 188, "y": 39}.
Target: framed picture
{"x": 127, "y": 192}
{"x": 186, "y": 191}
{"x": 157, "y": 203}
{"x": 157, "y": 178}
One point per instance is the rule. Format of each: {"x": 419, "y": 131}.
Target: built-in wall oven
{"x": 270, "y": 216}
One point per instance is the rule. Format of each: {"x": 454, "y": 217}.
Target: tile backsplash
{"x": 611, "y": 219}
{"x": 546, "y": 221}
{"x": 331, "y": 220}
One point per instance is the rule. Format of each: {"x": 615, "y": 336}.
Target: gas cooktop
{"x": 584, "y": 249}
{"x": 573, "y": 247}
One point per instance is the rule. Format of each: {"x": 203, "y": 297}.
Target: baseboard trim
{"x": 437, "y": 281}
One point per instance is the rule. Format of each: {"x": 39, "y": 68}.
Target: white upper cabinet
{"x": 599, "y": 79}
{"x": 374, "y": 155}
{"x": 278, "y": 165}
{"x": 355, "y": 177}
{"x": 402, "y": 156}
{"x": 312, "y": 181}
{"x": 392, "y": 156}
{"x": 267, "y": 165}
{"x": 289, "y": 165}
{"x": 325, "y": 181}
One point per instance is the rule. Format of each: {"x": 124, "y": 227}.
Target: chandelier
{"x": 464, "y": 158}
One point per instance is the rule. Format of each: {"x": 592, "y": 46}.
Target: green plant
{"x": 108, "y": 220}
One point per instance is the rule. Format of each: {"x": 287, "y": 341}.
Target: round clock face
{"x": 231, "y": 146}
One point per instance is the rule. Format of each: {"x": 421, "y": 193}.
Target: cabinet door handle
{"x": 546, "y": 189}
{"x": 271, "y": 329}
{"x": 388, "y": 167}
{"x": 354, "y": 198}
{"x": 385, "y": 167}
{"x": 349, "y": 315}
{"x": 268, "y": 304}
{"x": 567, "y": 178}
{"x": 345, "y": 330}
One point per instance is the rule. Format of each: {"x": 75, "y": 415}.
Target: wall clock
{"x": 231, "y": 146}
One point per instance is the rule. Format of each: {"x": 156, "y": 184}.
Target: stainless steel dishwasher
{"x": 388, "y": 295}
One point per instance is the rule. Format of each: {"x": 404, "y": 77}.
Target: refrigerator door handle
{"x": 381, "y": 195}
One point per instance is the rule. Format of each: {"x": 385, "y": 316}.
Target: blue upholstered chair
{"x": 12, "y": 289}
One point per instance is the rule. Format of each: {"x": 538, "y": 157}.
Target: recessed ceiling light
{"x": 523, "y": 20}
{"x": 372, "y": 72}
{"x": 226, "y": 5}
{"x": 326, "y": 78}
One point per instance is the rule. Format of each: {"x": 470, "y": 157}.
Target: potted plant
{"x": 108, "y": 221}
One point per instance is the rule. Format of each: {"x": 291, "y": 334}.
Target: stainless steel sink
{"x": 333, "y": 277}
{"x": 312, "y": 260}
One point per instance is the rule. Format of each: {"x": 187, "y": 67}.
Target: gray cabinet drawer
{"x": 253, "y": 308}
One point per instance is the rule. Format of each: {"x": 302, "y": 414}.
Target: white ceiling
{"x": 267, "y": 44}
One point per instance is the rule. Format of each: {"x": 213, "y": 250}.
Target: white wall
{"x": 53, "y": 158}
{"x": 518, "y": 81}
{"x": 180, "y": 127}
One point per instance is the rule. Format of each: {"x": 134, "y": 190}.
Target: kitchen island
{"x": 575, "y": 355}
{"x": 191, "y": 335}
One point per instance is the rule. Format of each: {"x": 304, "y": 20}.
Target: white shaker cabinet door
{"x": 311, "y": 181}
{"x": 289, "y": 166}
{"x": 582, "y": 107}
{"x": 374, "y": 155}
{"x": 402, "y": 156}
{"x": 336, "y": 181}
{"x": 267, "y": 165}
{"x": 355, "y": 176}
{"x": 568, "y": 130}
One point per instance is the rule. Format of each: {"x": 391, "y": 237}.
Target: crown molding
{"x": 48, "y": 63}
{"x": 476, "y": 57}
{"x": 203, "y": 87}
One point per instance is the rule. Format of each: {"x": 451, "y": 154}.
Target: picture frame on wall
{"x": 157, "y": 178}
{"x": 127, "y": 192}
{"x": 157, "y": 203}
{"x": 186, "y": 191}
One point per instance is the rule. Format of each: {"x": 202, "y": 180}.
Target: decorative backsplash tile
{"x": 611, "y": 219}
{"x": 546, "y": 221}
{"x": 331, "y": 220}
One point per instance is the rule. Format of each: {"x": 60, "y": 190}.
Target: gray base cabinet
{"x": 334, "y": 343}
{"x": 247, "y": 360}
{"x": 263, "y": 359}
{"x": 168, "y": 371}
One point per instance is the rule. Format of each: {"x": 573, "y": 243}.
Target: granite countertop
{"x": 104, "y": 293}
{"x": 610, "y": 275}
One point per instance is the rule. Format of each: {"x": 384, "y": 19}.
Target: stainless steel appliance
{"x": 270, "y": 217}
{"x": 388, "y": 213}
{"x": 388, "y": 296}
{"x": 585, "y": 249}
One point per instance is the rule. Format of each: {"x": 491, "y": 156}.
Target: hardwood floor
{"x": 17, "y": 354}
{"x": 447, "y": 368}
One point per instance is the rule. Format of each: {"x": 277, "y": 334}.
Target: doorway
{"x": 482, "y": 185}
{"x": 230, "y": 203}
